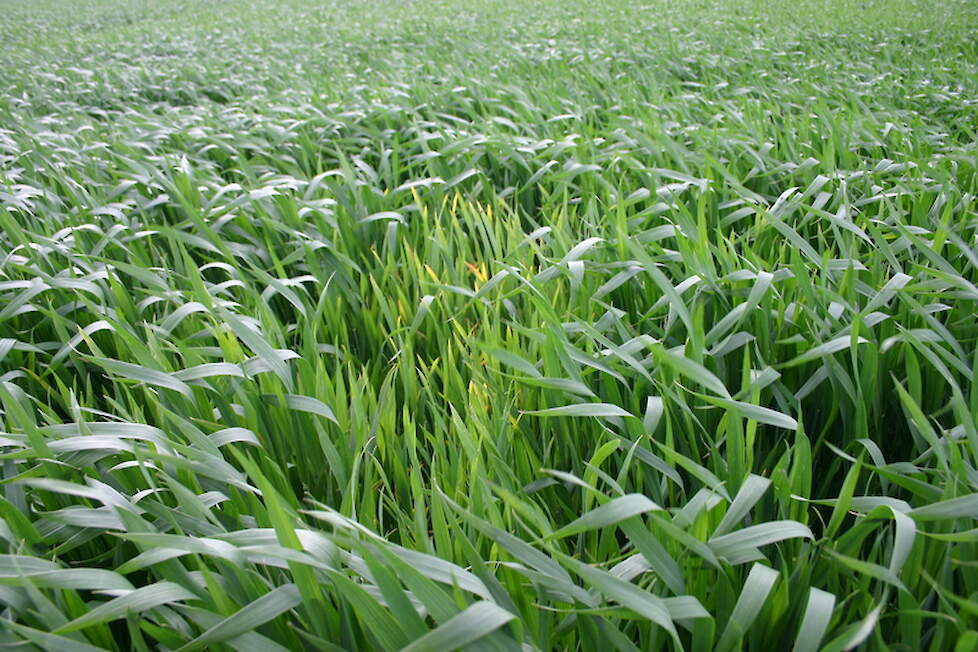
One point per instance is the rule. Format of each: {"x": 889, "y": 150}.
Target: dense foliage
{"x": 488, "y": 324}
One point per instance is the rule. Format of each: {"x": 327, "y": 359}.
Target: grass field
{"x": 495, "y": 325}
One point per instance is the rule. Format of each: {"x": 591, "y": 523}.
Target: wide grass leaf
{"x": 477, "y": 621}
{"x": 265, "y": 352}
{"x": 756, "y": 589}
{"x": 757, "y": 413}
{"x": 138, "y": 601}
{"x": 256, "y": 613}
{"x": 583, "y": 410}
{"x": 815, "y": 622}
{"x": 822, "y": 350}
{"x": 304, "y": 404}
{"x": 755, "y": 536}
{"x": 628, "y": 595}
{"x": 91, "y": 579}
{"x": 143, "y": 375}
{"x": 750, "y": 492}
{"x": 965, "y": 507}
{"x": 614, "y": 511}
{"x": 690, "y": 369}
{"x": 51, "y": 641}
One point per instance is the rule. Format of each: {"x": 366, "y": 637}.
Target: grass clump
{"x": 481, "y": 325}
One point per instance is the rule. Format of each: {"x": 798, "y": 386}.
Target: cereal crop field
{"x": 488, "y": 325}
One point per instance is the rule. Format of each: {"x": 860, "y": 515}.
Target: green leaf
{"x": 209, "y": 370}
{"x": 954, "y": 508}
{"x": 757, "y": 413}
{"x": 50, "y": 641}
{"x": 815, "y": 622}
{"x": 616, "y": 510}
{"x": 690, "y": 369}
{"x": 758, "y": 586}
{"x": 516, "y": 362}
{"x": 560, "y": 384}
{"x": 828, "y": 348}
{"x": 261, "y": 347}
{"x": 869, "y": 569}
{"x": 257, "y": 613}
{"x": 143, "y": 375}
{"x": 628, "y": 595}
{"x": 91, "y": 579}
{"x": 304, "y": 404}
{"x": 477, "y": 621}
{"x": 731, "y": 545}
{"x": 138, "y": 601}
{"x": 582, "y": 410}
{"x": 750, "y": 492}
